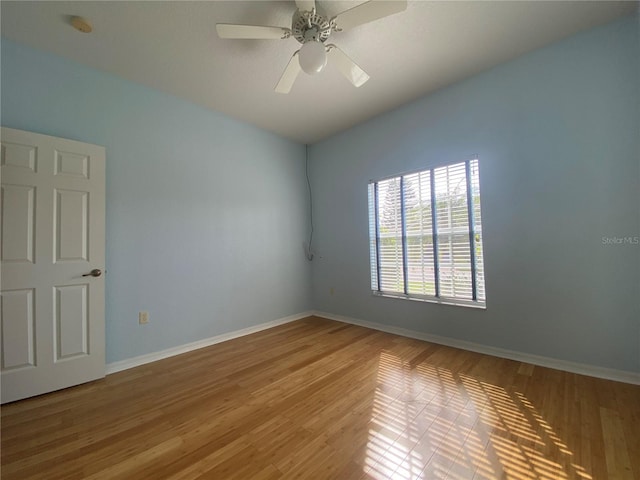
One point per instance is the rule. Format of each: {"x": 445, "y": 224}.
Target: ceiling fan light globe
{"x": 312, "y": 57}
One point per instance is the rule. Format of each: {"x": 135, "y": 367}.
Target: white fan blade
{"x": 368, "y": 12}
{"x": 289, "y": 75}
{"x": 347, "y": 67}
{"x": 257, "y": 32}
{"x": 305, "y": 5}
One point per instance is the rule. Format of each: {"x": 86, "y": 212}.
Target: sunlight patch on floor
{"x": 428, "y": 423}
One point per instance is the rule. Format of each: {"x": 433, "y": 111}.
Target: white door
{"x": 53, "y": 227}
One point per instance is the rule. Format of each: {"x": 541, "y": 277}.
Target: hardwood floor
{"x": 319, "y": 399}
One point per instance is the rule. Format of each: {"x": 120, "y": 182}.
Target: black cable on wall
{"x": 307, "y": 250}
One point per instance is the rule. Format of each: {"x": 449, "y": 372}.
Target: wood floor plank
{"x": 319, "y": 399}
{"x": 615, "y": 451}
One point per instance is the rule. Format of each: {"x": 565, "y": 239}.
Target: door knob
{"x": 96, "y": 272}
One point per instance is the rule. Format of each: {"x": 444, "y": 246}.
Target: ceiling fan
{"x": 312, "y": 29}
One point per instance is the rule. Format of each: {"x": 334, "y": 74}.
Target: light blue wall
{"x": 205, "y": 215}
{"x": 557, "y": 133}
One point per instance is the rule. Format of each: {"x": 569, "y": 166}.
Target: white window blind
{"x": 419, "y": 228}
{"x": 425, "y": 232}
{"x": 390, "y": 257}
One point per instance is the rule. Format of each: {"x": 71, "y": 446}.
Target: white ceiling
{"x": 173, "y": 47}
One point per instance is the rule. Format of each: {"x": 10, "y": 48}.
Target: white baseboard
{"x": 170, "y": 352}
{"x": 580, "y": 368}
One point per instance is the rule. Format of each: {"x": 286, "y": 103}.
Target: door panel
{"x": 18, "y": 327}
{"x": 18, "y": 156}
{"x": 72, "y": 321}
{"x": 53, "y": 214}
{"x": 71, "y": 215}
{"x": 18, "y": 216}
{"x": 72, "y": 164}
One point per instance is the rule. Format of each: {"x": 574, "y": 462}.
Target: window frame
{"x": 374, "y": 243}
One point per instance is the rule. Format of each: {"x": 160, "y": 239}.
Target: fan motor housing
{"x": 319, "y": 30}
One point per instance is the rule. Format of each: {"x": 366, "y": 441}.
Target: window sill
{"x": 442, "y": 301}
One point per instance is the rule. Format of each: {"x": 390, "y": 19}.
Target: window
{"x": 425, "y": 232}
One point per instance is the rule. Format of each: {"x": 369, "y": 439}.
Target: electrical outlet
{"x": 143, "y": 317}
